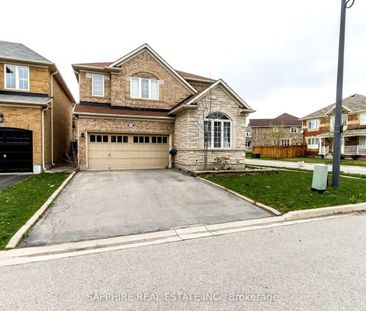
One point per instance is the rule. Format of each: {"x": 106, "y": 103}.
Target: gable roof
{"x": 284, "y": 119}
{"x": 352, "y": 103}
{"x": 190, "y": 101}
{"x": 147, "y": 47}
{"x": 193, "y": 77}
{"x": 20, "y": 52}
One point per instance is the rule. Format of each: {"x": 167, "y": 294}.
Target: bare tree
{"x": 203, "y": 125}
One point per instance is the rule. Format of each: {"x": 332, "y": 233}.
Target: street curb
{"x": 267, "y": 208}
{"x": 73, "y": 249}
{"x": 18, "y": 236}
{"x": 325, "y": 211}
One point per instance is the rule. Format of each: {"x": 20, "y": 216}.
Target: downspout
{"x": 52, "y": 163}
{"x": 43, "y": 149}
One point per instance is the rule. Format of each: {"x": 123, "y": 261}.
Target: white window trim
{"x": 289, "y": 141}
{"x": 363, "y": 116}
{"x": 222, "y": 132}
{"x": 97, "y": 74}
{"x": 312, "y": 146}
{"x": 16, "y": 77}
{"x": 316, "y": 128}
{"x": 296, "y": 130}
{"x": 139, "y": 96}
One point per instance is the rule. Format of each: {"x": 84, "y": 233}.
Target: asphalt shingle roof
{"x": 24, "y": 99}
{"x": 284, "y": 119}
{"x": 18, "y": 51}
{"x": 353, "y": 103}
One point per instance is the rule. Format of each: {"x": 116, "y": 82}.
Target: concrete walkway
{"x": 8, "y": 180}
{"x": 307, "y": 166}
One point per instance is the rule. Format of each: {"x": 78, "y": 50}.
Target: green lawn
{"x": 319, "y": 160}
{"x": 290, "y": 190}
{"x": 19, "y": 202}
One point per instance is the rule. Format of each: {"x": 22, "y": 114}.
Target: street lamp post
{"x": 338, "y": 111}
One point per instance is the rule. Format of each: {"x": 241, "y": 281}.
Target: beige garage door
{"x": 118, "y": 151}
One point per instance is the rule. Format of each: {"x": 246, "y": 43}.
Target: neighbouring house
{"x": 318, "y": 128}
{"x": 248, "y": 139}
{"x": 284, "y": 130}
{"x": 35, "y": 110}
{"x": 138, "y": 112}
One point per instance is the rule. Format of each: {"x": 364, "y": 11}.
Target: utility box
{"x": 320, "y": 177}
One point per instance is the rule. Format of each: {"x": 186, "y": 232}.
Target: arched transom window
{"x": 217, "y": 130}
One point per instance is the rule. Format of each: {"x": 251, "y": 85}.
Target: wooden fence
{"x": 280, "y": 151}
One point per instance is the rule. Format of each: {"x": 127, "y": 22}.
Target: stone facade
{"x": 189, "y": 136}
{"x": 116, "y": 125}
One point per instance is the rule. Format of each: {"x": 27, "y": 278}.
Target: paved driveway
{"x": 8, "y": 180}
{"x": 105, "y": 204}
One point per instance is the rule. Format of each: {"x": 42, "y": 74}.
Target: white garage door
{"x": 118, "y": 151}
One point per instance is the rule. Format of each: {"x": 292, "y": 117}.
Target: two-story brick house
{"x": 35, "y": 110}
{"x": 318, "y": 128}
{"x": 284, "y": 130}
{"x": 134, "y": 110}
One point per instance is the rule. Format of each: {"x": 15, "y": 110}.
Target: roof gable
{"x": 146, "y": 47}
{"x": 354, "y": 103}
{"x": 284, "y": 119}
{"x": 190, "y": 101}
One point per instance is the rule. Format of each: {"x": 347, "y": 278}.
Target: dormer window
{"x": 97, "y": 85}
{"x": 17, "y": 77}
{"x": 144, "y": 88}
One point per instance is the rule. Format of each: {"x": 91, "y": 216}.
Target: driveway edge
{"x": 18, "y": 236}
{"x": 267, "y": 208}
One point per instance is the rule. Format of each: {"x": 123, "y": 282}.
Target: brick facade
{"x": 30, "y": 117}
{"x": 185, "y": 128}
{"x": 116, "y": 125}
{"x": 39, "y": 78}
{"x": 272, "y": 136}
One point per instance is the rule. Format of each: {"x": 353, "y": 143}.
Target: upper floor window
{"x": 363, "y": 119}
{"x": 293, "y": 129}
{"x": 97, "y": 85}
{"x": 217, "y": 130}
{"x": 17, "y": 77}
{"x": 313, "y": 124}
{"x": 144, "y": 88}
{"x": 344, "y": 122}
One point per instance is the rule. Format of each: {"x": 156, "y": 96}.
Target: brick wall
{"x": 117, "y": 84}
{"x": 39, "y": 78}
{"x": 85, "y": 87}
{"x": 29, "y": 119}
{"x": 62, "y": 121}
{"x": 114, "y": 125}
{"x": 272, "y": 136}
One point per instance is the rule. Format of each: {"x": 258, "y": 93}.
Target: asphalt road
{"x": 114, "y": 203}
{"x": 318, "y": 265}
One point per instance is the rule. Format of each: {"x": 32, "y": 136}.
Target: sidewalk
{"x": 307, "y": 166}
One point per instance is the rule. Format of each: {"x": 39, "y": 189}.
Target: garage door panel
{"x": 128, "y": 154}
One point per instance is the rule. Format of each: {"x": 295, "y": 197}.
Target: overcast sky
{"x": 280, "y": 56}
